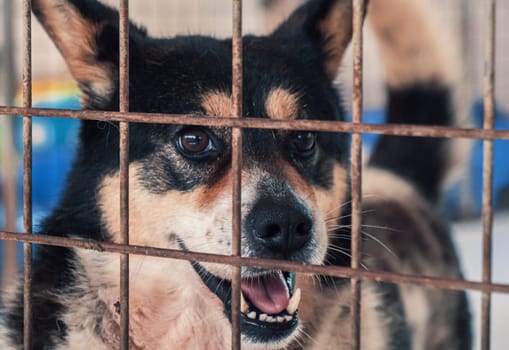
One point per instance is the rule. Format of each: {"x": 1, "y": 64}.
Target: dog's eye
{"x": 304, "y": 142}
{"x": 195, "y": 142}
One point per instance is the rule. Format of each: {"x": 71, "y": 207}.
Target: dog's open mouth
{"x": 269, "y": 302}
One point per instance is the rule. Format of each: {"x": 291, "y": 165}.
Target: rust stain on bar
{"x": 236, "y": 167}
{"x": 356, "y": 171}
{"x": 487, "y": 195}
{"x": 305, "y": 125}
{"x": 337, "y": 271}
{"x": 124, "y": 170}
{"x": 27, "y": 174}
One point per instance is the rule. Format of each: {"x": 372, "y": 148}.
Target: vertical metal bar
{"x": 124, "y": 171}
{"x": 8, "y": 166}
{"x": 487, "y": 195}
{"x": 356, "y": 169}
{"x": 27, "y": 174}
{"x": 236, "y": 167}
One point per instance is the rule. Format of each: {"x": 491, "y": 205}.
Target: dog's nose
{"x": 281, "y": 227}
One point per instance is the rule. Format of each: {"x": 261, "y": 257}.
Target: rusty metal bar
{"x": 124, "y": 170}
{"x": 337, "y": 271}
{"x": 236, "y": 167}
{"x": 27, "y": 174}
{"x": 356, "y": 172}
{"x": 259, "y": 123}
{"x": 487, "y": 195}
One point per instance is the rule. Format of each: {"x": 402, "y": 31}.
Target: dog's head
{"x": 294, "y": 183}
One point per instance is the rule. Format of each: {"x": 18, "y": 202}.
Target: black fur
{"x": 428, "y": 103}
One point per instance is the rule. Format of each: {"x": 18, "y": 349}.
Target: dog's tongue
{"x": 268, "y": 293}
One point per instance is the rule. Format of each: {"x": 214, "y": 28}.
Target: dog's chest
{"x": 165, "y": 311}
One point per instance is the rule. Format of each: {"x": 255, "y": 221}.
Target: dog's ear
{"x": 86, "y": 33}
{"x": 326, "y": 24}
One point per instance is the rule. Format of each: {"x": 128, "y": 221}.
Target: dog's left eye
{"x": 304, "y": 142}
{"x": 195, "y": 142}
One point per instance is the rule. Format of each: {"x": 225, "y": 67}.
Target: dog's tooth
{"x": 288, "y": 318}
{"x": 280, "y": 319}
{"x": 252, "y": 315}
{"x": 263, "y": 317}
{"x": 244, "y": 307}
{"x": 270, "y": 319}
{"x": 294, "y": 302}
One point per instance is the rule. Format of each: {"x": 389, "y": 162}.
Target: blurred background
{"x": 54, "y": 140}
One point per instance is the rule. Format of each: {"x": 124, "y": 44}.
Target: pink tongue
{"x": 268, "y": 293}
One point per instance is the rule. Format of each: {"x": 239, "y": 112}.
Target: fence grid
{"x": 237, "y": 123}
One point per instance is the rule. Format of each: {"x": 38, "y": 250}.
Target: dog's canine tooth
{"x": 288, "y": 318}
{"x": 244, "y": 307}
{"x": 294, "y": 302}
{"x": 252, "y": 315}
{"x": 263, "y": 317}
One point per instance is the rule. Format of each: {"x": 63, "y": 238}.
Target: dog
{"x": 295, "y": 190}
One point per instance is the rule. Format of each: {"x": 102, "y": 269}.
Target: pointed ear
{"x": 327, "y": 24}
{"x": 86, "y": 33}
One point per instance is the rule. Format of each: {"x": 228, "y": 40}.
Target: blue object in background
{"x": 464, "y": 197}
{"x": 500, "y": 160}
{"x": 54, "y": 143}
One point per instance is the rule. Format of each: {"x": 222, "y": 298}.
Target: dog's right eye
{"x": 195, "y": 143}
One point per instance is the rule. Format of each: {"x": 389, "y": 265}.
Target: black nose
{"x": 279, "y": 226}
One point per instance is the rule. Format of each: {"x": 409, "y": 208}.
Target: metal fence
{"x": 488, "y": 134}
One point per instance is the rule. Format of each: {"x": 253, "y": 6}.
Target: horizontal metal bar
{"x": 337, "y": 271}
{"x": 259, "y": 123}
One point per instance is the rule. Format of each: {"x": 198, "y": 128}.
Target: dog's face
{"x": 294, "y": 183}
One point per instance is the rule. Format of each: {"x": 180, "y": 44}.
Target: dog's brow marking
{"x": 217, "y": 104}
{"x": 282, "y": 104}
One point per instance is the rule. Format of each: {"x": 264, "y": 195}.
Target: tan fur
{"x": 192, "y": 317}
{"x": 378, "y": 184}
{"x": 203, "y": 215}
{"x": 217, "y": 104}
{"x": 76, "y": 42}
{"x": 156, "y": 218}
{"x": 282, "y": 104}
{"x": 326, "y": 319}
{"x": 332, "y": 202}
{"x": 325, "y": 205}
{"x": 415, "y": 241}
{"x": 412, "y": 45}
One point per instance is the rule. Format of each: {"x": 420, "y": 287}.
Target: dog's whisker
{"x": 348, "y": 215}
